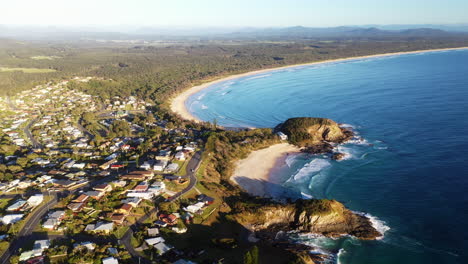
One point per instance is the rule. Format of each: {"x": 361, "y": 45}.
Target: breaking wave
{"x": 311, "y": 168}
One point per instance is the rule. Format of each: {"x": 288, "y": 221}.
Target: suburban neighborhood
{"x": 107, "y": 174}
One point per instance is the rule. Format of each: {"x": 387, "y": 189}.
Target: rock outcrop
{"x": 315, "y": 134}
{"x": 326, "y": 217}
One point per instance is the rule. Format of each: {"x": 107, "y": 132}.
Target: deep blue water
{"x": 410, "y": 172}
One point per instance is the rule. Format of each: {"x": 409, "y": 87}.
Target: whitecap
{"x": 204, "y": 107}
{"x": 313, "y": 167}
{"x": 306, "y": 196}
{"x": 290, "y": 160}
{"x": 257, "y": 77}
{"x": 340, "y": 254}
{"x": 379, "y": 225}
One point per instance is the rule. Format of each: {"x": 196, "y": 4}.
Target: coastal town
{"x": 91, "y": 179}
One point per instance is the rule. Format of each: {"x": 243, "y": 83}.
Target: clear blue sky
{"x": 223, "y": 13}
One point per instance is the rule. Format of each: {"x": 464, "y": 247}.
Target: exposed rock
{"x": 325, "y": 217}
{"x": 338, "y": 156}
{"x": 315, "y": 134}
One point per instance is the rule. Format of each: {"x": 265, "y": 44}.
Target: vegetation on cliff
{"x": 319, "y": 216}
{"x": 313, "y": 133}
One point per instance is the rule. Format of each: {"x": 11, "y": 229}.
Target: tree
{"x": 251, "y": 257}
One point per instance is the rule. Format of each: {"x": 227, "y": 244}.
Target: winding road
{"x": 191, "y": 170}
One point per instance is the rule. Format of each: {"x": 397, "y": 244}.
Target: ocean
{"x": 408, "y": 170}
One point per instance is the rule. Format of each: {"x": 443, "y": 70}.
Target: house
{"x": 179, "y": 155}
{"x": 282, "y": 136}
{"x": 95, "y": 194}
{"x": 160, "y": 223}
{"x": 133, "y": 177}
{"x": 152, "y": 232}
{"x": 173, "y": 167}
{"x": 75, "y": 207}
{"x": 155, "y": 240}
{"x": 120, "y": 184}
{"x": 113, "y": 251}
{"x": 53, "y": 219}
{"x": 124, "y": 209}
{"x": 146, "y": 165}
{"x": 82, "y": 198}
{"x": 88, "y": 245}
{"x": 118, "y": 218}
{"x": 11, "y": 219}
{"x": 205, "y": 199}
{"x": 17, "y": 206}
{"x": 160, "y": 165}
{"x": 65, "y": 184}
{"x": 169, "y": 219}
{"x": 110, "y": 260}
{"x": 100, "y": 227}
{"x": 142, "y": 187}
{"x": 164, "y": 155}
{"x": 134, "y": 201}
{"x": 41, "y": 244}
{"x": 162, "y": 248}
{"x": 195, "y": 207}
{"x": 103, "y": 188}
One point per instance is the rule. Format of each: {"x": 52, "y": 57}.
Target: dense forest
{"x": 156, "y": 72}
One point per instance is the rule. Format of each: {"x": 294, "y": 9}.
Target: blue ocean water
{"x": 410, "y": 171}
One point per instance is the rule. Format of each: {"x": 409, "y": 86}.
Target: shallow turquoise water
{"x": 409, "y": 171}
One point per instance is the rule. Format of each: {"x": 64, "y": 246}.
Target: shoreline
{"x": 253, "y": 173}
{"x": 177, "y": 104}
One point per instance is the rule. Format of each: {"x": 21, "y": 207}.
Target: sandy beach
{"x": 253, "y": 172}
{"x": 178, "y": 102}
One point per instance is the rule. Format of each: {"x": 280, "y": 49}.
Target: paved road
{"x": 191, "y": 170}
{"x": 25, "y": 235}
{"x": 33, "y": 220}
{"x": 84, "y": 130}
{"x": 27, "y": 132}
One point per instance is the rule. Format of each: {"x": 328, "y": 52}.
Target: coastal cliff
{"x": 325, "y": 217}
{"x": 314, "y": 134}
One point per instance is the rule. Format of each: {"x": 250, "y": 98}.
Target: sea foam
{"x": 311, "y": 168}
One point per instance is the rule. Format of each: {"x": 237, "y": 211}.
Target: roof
{"x": 82, "y": 198}
{"x": 126, "y": 207}
{"x": 110, "y": 260}
{"x": 154, "y": 240}
{"x": 162, "y": 248}
{"x": 153, "y": 231}
{"x": 104, "y": 226}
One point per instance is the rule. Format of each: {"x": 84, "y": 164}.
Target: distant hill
{"x": 249, "y": 33}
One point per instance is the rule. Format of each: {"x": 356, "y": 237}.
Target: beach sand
{"x": 253, "y": 172}
{"x": 178, "y": 103}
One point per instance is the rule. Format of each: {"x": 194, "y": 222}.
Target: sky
{"x": 232, "y": 13}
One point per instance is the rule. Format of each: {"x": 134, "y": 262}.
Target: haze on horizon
{"x": 241, "y": 13}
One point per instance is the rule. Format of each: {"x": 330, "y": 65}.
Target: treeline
{"x": 155, "y": 73}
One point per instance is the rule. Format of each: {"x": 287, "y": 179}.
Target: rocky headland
{"x": 315, "y": 135}
{"x": 318, "y": 216}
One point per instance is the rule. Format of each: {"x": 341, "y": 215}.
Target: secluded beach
{"x": 252, "y": 173}
{"x": 178, "y": 103}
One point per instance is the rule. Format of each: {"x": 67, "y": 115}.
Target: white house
{"x": 160, "y": 165}
{"x": 12, "y": 218}
{"x": 282, "y": 136}
{"x": 180, "y": 155}
{"x": 35, "y": 200}
{"x": 110, "y": 260}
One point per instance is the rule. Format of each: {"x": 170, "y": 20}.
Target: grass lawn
{"x": 4, "y": 203}
{"x": 120, "y": 231}
{"x": 26, "y": 70}
{"x": 4, "y": 246}
{"x": 182, "y": 167}
{"x": 45, "y": 57}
